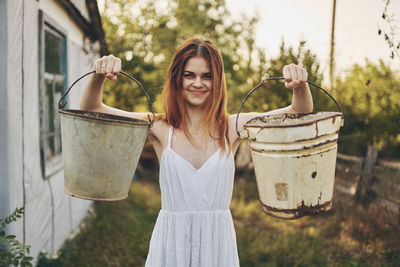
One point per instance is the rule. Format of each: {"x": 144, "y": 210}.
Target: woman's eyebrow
{"x": 191, "y": 72}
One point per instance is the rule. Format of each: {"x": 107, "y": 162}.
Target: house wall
{"x": 11, "y": 114}
{"x": 81, "y": 5}
{"x": 4, "y": 183}
{"x": 50, "y": 214}
{"x": 52, "y": 9}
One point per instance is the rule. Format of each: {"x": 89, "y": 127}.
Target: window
{"x": 53, "y": 74}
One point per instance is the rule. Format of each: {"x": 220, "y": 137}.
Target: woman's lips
{"x": 198, "y": 92}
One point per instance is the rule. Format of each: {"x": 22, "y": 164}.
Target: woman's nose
{"x": 197, "y": 82}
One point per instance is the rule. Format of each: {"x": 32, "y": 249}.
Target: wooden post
{"x": 367, "y": 174}
{"x": 331, "y": 53}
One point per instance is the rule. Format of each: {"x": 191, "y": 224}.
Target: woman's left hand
{"x": 294, "y": 76}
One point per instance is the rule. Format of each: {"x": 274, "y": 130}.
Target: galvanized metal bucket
{"x": 294, "y": 157}
{"x": 101, "y": 151}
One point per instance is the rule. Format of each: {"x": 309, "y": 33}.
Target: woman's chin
{"x": 197, "y": 104}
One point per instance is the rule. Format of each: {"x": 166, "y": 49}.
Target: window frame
{"x": 46, "y": 23}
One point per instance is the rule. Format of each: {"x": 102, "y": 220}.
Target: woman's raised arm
{"x": 296, "y": 79}
{"x": 92, "y": 96}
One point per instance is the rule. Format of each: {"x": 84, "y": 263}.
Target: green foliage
{"x": 369, "y": 96}
{"x": 14, "y": 253}
{"x": 273, "y": 94}
{"x": 145, "y": 34}
{"x": 68, "y": 251}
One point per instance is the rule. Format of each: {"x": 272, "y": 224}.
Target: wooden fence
{"x": 369, "y": 179}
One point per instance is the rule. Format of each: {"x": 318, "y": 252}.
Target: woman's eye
{"x": 188, "y": 75}
{"x": 207, "y": 76}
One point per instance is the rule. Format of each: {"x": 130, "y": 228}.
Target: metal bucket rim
{"x": 88, "y": 197}
{"x": 103, "y": 117}
{"x": 296, "y": 123}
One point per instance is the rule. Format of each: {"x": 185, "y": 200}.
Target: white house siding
{"x": 54, "y": 10}
{"x": 50, "y": 214}
{"x": 13, "y": 111}
{"x": 38, "y": 211}
{"x": 81, "y": 5}
{"x": 4, "y": 183}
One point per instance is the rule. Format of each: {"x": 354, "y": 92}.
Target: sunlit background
{"x": 356, "y": 28}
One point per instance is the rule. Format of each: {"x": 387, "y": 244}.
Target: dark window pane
{"x": 48, "y": 108}
{"x": 59, "y": 87}
{"x": 50, "y": 152}
{"x": 52, "y": 124}
{"x": 54, "y": 51}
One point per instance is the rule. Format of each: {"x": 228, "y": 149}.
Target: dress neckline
{"x": 191, "y": 165}
{"x": 169, "y": 146}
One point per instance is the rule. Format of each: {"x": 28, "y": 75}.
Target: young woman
{"x": 195, "y": 141}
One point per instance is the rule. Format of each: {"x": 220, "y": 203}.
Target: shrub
{"x": 14, "y": 253}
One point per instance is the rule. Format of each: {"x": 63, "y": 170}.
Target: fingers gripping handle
{"x": 278, "y": 78}
{"x": 61, "y": 103}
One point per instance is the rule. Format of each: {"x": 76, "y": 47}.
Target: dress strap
{"x": 170, "y": 131}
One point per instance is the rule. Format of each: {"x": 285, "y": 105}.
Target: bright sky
{"x": 356, "y": 34}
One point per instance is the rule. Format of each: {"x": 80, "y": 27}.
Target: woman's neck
{"x": 193, "y": 117}
{"x": 197, "y": 129}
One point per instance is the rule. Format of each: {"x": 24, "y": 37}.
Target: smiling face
{"x": 196, "y": 81}
{"x": 197, "y": 58}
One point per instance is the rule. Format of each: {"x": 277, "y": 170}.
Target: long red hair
{"x": 216, "y": 119}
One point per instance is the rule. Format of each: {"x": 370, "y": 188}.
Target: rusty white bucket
{"x": 294, "y": 157}
{"x": 101, "y": 151}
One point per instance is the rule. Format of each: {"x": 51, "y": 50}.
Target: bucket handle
{"x": 62, "y": 104}
{"x": 279, "y": 78}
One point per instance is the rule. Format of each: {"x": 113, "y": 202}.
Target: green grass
{"x": 118, "y": 233}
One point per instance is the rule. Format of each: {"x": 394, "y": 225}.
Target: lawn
{"x": 118, "y": 233}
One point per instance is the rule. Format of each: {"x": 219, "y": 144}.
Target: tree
{"x": 273, "y": 94}
{"x": 369, "y": 96}
{"x": 145, "y": 34}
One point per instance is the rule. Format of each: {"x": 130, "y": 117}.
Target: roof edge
{"x": 93, "y": 29}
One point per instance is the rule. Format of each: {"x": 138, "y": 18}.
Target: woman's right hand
{"x": 109, "y": 66}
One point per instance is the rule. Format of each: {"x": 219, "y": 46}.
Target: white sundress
{"x": 194, "y": 227}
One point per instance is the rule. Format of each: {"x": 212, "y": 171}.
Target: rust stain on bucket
{"x": 301, "y": 211}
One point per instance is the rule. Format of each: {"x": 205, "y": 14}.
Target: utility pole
{"x": 331, "y": 56}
